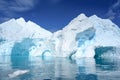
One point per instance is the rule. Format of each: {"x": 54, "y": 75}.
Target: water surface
{"x": 59, "y": 68}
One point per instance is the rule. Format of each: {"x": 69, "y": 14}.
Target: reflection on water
{"x": 20, "y": 62}
{"x": 59, "y": 68}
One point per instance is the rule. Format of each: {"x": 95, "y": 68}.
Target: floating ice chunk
{"x": 17, "y": 73}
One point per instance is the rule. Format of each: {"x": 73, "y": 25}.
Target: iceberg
{"x": 82, "y": 37}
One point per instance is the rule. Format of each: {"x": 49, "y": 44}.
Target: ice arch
{"x": 22, "y": 48}
{"x": 46, "y": 53}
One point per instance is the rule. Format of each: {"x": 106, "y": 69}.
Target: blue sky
{"x": 55, "y": 14}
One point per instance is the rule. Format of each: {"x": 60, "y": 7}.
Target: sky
{"x": 56, "y": 14}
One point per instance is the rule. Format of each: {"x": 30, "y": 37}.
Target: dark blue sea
{"x": 50, "y": 68}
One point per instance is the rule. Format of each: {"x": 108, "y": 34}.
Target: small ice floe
{"x": 17, "y": 73}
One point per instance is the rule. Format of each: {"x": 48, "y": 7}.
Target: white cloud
{"x": 17, "y": 5}
{"x": 22, "y": 5}
{"x": 8, "y": 8}
{"x": 114, "y": 10}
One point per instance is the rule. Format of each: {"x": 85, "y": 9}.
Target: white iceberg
{"x": 82, "y": 37}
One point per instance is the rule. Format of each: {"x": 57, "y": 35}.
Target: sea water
{"x": 49, "y": 68}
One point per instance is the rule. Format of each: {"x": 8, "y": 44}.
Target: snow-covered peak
{"x": 33, "y": 26}
{"x": 17, "y": 29}
{"x": 78, "y": 19}
{"x": 83, "y": 22}
{"x": 21, "y": 21}
{"x": 82, "y": 17}
{"x": 94, "y": 17}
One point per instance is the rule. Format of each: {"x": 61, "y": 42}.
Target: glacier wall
{"x": 82, "y": 37}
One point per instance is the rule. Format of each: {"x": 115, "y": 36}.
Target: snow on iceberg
{"x": 84, "y": 34}
{"x": 82, "y": 37}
